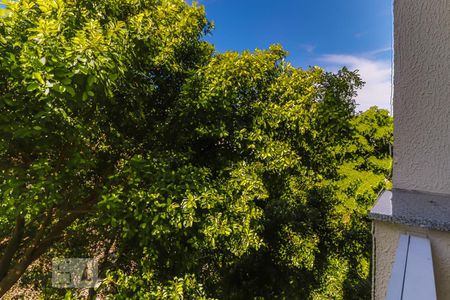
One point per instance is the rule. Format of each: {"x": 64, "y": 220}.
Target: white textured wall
{"x": 422, "y": 95}
{"x": 421, "y": 128}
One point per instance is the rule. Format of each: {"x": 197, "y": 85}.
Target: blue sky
{"x": 325, "y": 33}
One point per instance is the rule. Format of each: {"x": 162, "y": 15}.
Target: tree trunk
{"x": 12, "y": 247}
{"x": 38, "y": 247}
{"x": 12, "y": 277}
{"x": 46, "y": 236}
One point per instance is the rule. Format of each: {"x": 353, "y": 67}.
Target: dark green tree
{"x": 188, "y": 174}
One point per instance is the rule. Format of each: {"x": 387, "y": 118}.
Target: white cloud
{"x": 375, "y": 72}
{"x": 359, "y": 34}
{"x": 307, "y": 47}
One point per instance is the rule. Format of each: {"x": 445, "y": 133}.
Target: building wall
{"x": 421, "y": 129}
{"x": 386, "y": 239}
{"x": 422, "y": 95}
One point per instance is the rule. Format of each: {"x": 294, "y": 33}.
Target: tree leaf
{"x": 32, "y": 86}
{"x": 38, "y": 77}
{"x": 70, "y": 90}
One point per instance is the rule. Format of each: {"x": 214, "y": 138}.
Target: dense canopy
{"x": 187, "y": 174}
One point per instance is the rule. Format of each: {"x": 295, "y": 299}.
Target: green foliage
{"x": 142, "y": 286}
{"x": 188, "y": 174}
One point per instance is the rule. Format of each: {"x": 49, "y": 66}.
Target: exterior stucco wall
{"x": 386, "y": 239}
{"x": 422, "y": 95}
{"x": 421, "y": 131}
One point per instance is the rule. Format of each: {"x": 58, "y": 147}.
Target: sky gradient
{"x": 325, "y": 33}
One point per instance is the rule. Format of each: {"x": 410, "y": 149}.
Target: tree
{"x": 317, "y": 239}
{"x": 86, "y": 87}
{"x": 365, "y": 169}
{"x": 124, "y": 137}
